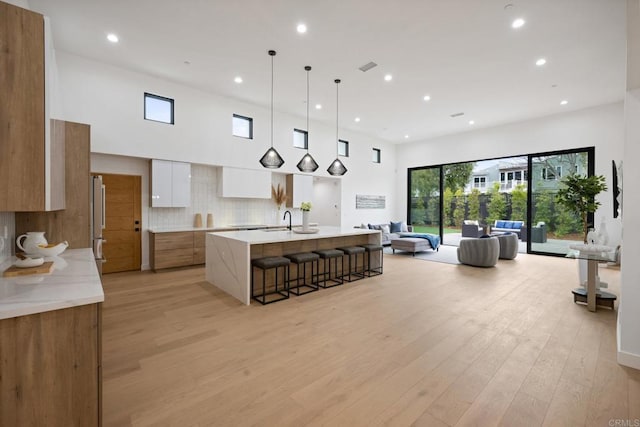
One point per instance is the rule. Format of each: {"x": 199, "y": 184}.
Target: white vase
{"x": 305, "y": 220}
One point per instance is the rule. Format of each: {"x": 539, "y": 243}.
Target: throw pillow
{"x": 485, "y": 236}
{"x": 385, "y": 229}
{"x": 500, "y": 224}
{"x": 403, "y": 227}
{"x": 517, "y": 225}
{"x": 377, "y": 227}
{"x": 470, "y": 222}
{"x": 508, "y": 224}
{"x": 370, "y": 226}
{"x": 395, "y": 227}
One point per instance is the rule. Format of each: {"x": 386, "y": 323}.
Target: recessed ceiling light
{"x": 112, "y": 38}
{"x": 406, "y": 137}
{"x": 318, "y": 106}
{"x": 238, "y": 79}
{"x": 357, "y": 119}
{"x": 187, "y": 62}
{"x": 301, "y": 28}
{"x": 540, "y": 62}
{"x": 388, "y": 77}
{"x": 427, "y": 98}
{"x": 564, "y": 102}
{"x": 472, "y": 122}
{"x": 517, "y": 23}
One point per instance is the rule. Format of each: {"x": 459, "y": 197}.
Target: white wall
{"x": 327, "y": 201}
{"x": 628, "y": 312}
{"x": 111, "y": 100}
{"x": 601, "y": 127}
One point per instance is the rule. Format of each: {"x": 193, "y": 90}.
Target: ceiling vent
{"x": 453, "y": 116}
{"x": 367, "y": 67}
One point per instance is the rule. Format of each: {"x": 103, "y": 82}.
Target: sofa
{"x": 385, "y": 229}
{"x": 503, "y": 226}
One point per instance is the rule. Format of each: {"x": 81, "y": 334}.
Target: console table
{"x": 593, "y": 254}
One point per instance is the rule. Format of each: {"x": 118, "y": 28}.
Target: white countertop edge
{"x": 24, "y": 309}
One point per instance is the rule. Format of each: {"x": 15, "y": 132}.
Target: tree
{"x": 497, "y": 204}
{"x": 474, "y": 204}
{"x": 418, "y": 213}
{"x": 458, "y": 213}
{"x": 578, "y": 193}
{"x": 543, "y": 204}
{"x": 425, "y": 182}
{"x": 447, "y": 211}
{"x": 456, "y": 176}
{"x": 519, "y": 203}
{"x": 566, "y": 222}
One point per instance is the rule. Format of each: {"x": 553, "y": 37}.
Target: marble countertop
{"x": 263, "y": 236}
{"x": 74, "y": 281}
{"x": 217, "y": 229}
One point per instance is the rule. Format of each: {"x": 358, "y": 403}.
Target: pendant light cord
{"x": 308, "y": 69}
{"x": 272, "y": 55}
{"x": 337, "y": 103}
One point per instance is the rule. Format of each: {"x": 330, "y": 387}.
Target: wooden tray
{"x": 14, "y": 271}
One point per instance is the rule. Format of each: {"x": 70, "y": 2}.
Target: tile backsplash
{"x": 226, "y": 211}
{"x": 7, "y": 234}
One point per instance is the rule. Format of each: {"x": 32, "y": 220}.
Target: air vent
{"x": 367, "y": 67}
{"x": 453, "y": 116}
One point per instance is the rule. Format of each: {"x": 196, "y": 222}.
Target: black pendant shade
{"x": 307, "y": 164}
{"x": 337, "y": 168}
{"x": 271, "y": 159}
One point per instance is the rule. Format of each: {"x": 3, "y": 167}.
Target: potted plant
{"x": 578, "y": 194}
{"x": 305, "y": 207}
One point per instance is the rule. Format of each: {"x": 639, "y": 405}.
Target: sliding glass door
{"x": 552, "y": 227}
{"x": 424, "y": 200}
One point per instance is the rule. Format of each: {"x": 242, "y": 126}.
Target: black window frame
{"x": 346, "y": 144}
{"x": 247, "y": 118}
{"x": 378, "y": 152}
{"x": 159, "y": 98}
{"x": 306, "y": 138}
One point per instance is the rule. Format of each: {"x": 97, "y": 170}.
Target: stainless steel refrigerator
{"x": 98, "y": 219}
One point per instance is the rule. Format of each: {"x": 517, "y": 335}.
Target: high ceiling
{"x": 464, "y": 54}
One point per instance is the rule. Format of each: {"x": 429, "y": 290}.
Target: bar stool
{"x": 327, "y": 255}
{"x": 304, "y": 258}
{"x": 265, "y": 264}
{"x": 370, "y": 248}
{"x": 353, "y": 251}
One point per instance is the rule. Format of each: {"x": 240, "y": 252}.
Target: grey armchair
{"x": 479, "y": 252}
{"x": 471, "y": 230}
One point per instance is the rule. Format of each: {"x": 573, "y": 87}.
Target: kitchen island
{"x": 229, "y": 254}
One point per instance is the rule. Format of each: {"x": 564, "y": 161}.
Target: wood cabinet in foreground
{"x": 50, "y": 368}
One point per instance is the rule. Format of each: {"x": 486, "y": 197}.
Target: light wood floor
{"x": 425, "y": 344}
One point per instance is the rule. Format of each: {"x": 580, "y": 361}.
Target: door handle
{"x": 137, "y": 229}
{"x": 136, "y": 222}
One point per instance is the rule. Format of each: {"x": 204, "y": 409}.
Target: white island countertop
{"x": 74, "y": 281}
{"x": 258, "y": 237}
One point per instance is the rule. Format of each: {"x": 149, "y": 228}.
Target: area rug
{"x": 446, "y": 254}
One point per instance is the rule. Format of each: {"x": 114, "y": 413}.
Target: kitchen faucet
{"x": 285, "y": 217}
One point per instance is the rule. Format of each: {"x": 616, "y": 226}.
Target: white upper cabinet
{"x": 170, "y": 184}
{"x": 299, "y": 189}
{"x": 244, "y": 183}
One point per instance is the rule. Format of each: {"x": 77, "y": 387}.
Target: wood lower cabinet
{"x": 50, "y": 368}
{"x": 177, "y": 249}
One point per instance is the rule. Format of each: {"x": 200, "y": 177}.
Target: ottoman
{"x": 410, "y": 244}
{"x": 508, "y": 245}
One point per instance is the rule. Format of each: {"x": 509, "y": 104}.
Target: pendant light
{"x": 307, "y": 164}
{"x": 271, "y": 159}
{"x": 337, "y": 168}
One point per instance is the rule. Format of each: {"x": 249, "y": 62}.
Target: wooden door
{"x": 122, "y": 234}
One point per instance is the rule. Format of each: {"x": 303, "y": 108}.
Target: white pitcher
{"x": 29, "y": 242}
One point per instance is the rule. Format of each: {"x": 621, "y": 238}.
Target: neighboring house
{"x": 546, "y": 175}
